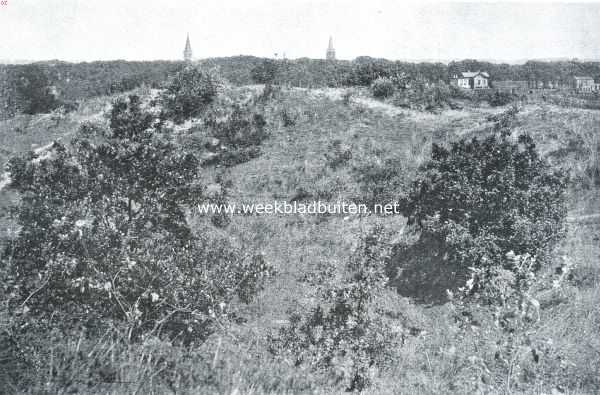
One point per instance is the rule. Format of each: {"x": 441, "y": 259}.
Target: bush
{"x": 337, "y": 154}
{"x": 500, "y": 99}
{"x": 238, "y": 133}
{"x": 289, "y": 116}
{"x": 345, "y": 336}
{"x": 382, "y": 88}
{"x": 190, "y": 92}
{"x": 480, "y": 199}
{"x": 423, "y": 97}
{"x": 105, "y": 240}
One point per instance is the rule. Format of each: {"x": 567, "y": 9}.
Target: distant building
{"x": 471, "y": 80}
{"x": 584, "y": 84}
{"x": 187, "y": 52}
{"x": 330, "y": 50}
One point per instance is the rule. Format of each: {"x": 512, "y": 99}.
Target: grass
{"x": 443, "y": 351}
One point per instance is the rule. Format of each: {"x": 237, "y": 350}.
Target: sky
{"x": 86, "y": 30}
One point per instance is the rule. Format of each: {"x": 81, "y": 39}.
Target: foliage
{"x": 345, "y": 334}
{"x": 289, "y": 116}
{"x": 238, "y": 133}
{"x": 33, "y": 91}
{"x": 190, "y": 92}
{"x": 337, "y": 154}
{"x": 382, "y": 88}
{"x": 105, "y": 240}
{"x": 380, "y": 181}
{"x": 504, "y": 297}
{"x": 479, "y": 199}
{"x": 423, "y": 96}
{"x": 265, "y": 72}
{"x": 500, "y": 99}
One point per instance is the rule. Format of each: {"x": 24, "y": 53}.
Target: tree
{"x": 33, "y": 91}
{"x": 105, "y": 238}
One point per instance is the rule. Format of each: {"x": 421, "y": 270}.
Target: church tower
{"x": 330, "y": 50}
{"x": 187, "y": 52}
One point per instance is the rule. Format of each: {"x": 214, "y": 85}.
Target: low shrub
{"x": 337, "y": 154}
{"x": 238, "y": 134}
{"x": 190, "y": 92}
{"x": 501, "y": 99}
{"x": 345, "y": 336}
{"x": 382, "y": 88}
{"x": 423, "y": 96}
{"x": 478, "y": 200}
{"x": 289, "y": 117}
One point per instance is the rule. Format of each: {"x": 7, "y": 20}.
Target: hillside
{"x": 326, "y": 144}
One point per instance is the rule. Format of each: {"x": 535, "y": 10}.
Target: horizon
{"x": 502, "y": 32}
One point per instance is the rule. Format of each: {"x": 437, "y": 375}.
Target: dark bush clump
{"x": 190, "y": 92}
{"x": 500, "y": 99}
{"x": 34, "y": 93}
{"x": 337, "y": 154}
{"x": 382, "y": 88}
{"x": 238, "y": 134}
{"x": 423, "y": 96}
{"x": 476, "y": 201}
{"x": 105, "y": 240}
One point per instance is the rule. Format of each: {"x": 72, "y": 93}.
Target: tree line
{"x": 42, "y": 86}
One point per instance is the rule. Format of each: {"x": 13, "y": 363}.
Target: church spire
{"x": 187, "y": 52}
{"x": 330, "y": 50}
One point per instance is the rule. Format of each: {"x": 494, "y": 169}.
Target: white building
{"x": 471, "y": 80}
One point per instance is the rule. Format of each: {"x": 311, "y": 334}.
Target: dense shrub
{"x": 238, "y": 132}
{"x": 382, "y": 88}
{"x": 190, "y": 92}
{"x": 500, "y": 99}
{"x": 423, "y": 96}
{"x": 104, "y": 238}
{"x": 479, "y": 199}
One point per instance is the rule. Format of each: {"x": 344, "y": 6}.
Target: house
{"x": 471, "y": 80}
{"x": 584, "y": 84}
